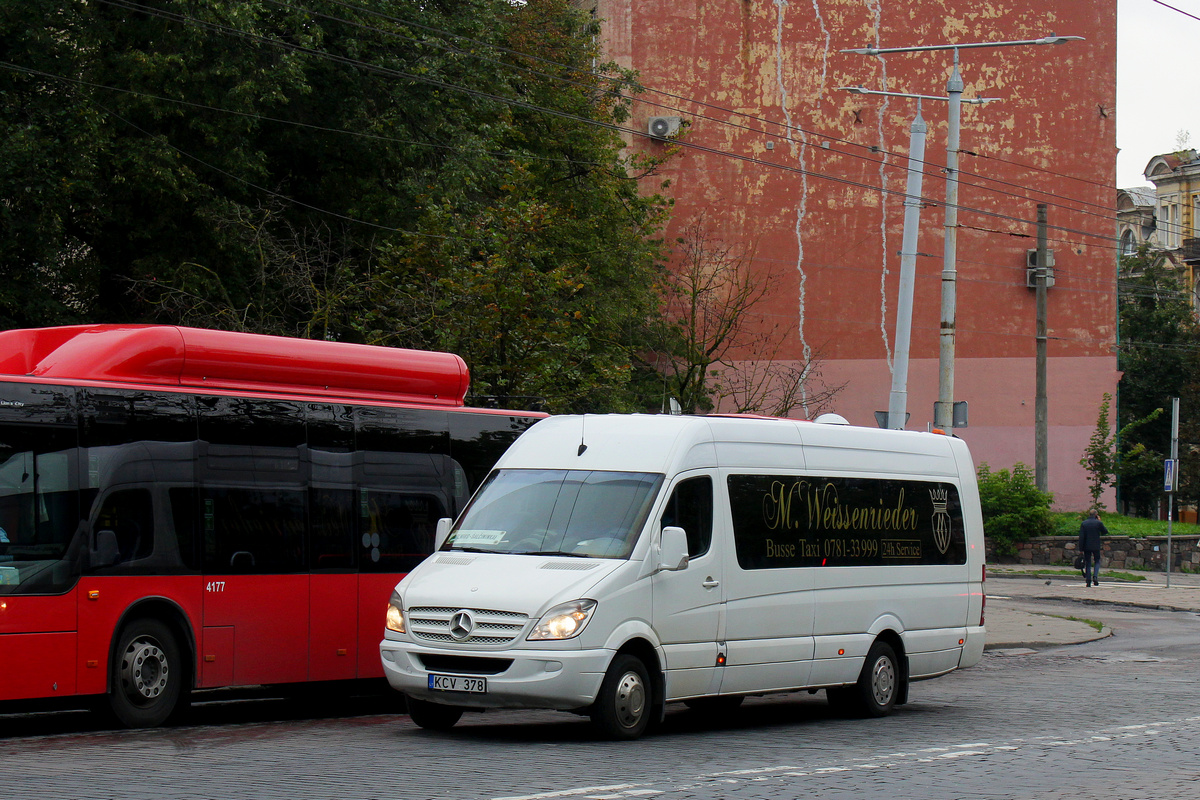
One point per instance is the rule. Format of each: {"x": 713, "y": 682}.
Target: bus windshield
{"x": 39, "y": 516}
{"x": 575, "y": 513}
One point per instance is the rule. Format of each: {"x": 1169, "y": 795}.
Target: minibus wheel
{"x": 623, "y": 708}
{"x": 878, "y": 685}
{"x": 147, "y": 676}
{"x": 432, "y": 716}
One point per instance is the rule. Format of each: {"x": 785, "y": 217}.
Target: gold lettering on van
{"x": 823, "y": 509}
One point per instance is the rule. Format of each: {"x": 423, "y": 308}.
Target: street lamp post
{"x": 944, "y": 407}
{"x": 898, "y": 398}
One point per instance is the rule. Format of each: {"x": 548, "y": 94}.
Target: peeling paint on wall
{"x": 815, "y": 198}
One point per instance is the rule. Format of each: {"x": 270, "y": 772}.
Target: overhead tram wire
{"x": 934, "y": 171}
{"x": 14, "y": 67}
{"x": 138, "y": 7}
{"x": 279, "y": 120}
{"x": 128, "y": 4}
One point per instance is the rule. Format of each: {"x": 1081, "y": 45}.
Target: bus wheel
{"x": 433, "y": 716}
{"x": 878, "y": 685}
{"x": 622, "y": 709}
{"x": 148, "y": 673}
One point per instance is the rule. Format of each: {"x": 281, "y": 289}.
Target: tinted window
{"x": 183, "y": 515}
{"x": 333, "y": 529}
{"x": 123, "y": 530}
{"x": 809, "y": 521}
{"x": 41, "y": 539}
{"x": 397, "y": 529}
{"x": 477, "y": 440}
{"x": 691, "y": 508}
{"x": 256, "y": 530}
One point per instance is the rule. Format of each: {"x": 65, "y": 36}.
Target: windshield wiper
{"x": 552, "y": 553}
{"x": 472, "y": 550}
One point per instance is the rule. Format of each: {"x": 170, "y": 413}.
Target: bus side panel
{"x": 44, "y": 665}
{"x": 373, "y": 593}
{"x": 103, "y": 603}
{"x": 269, "y": 615}
{"x": 37, "y": 645}
{"x": 31, "y": 613}
{"x": 334, "y": 631}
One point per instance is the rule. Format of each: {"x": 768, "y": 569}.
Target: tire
{"x": 433, "y": 716}
{"x": 716, "y": 706}
{"x": 623, "y": 708}
{"x": 878, "y": 686}
{"x": 147, "y": 674}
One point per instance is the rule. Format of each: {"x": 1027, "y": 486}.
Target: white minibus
{"x": 611, "y": 564}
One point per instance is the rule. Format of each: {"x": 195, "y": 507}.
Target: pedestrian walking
{"x": 1090, "y": 531}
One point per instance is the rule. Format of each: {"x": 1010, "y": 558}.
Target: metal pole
{"x": 1041, "y": 425}
{"x": 898, "y": 399}
{"x": 1175, "y": 479}
{"x": 943, "y": 410}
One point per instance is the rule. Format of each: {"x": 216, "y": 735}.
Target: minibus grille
{"x": 442, "y": 623}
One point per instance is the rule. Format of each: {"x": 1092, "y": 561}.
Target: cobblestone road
{"x": 1117, "y": 719}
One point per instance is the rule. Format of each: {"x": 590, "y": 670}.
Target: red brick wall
{"x": 825, "y": 213}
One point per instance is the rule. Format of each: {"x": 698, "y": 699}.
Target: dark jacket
{"x": 1090, "y": 531}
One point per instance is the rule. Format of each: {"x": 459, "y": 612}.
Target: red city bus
{"x": 189, "y": 509}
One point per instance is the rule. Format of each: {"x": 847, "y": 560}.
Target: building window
{"x": 1128, "y": 246}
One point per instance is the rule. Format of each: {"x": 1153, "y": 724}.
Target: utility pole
{"x": 1170, "y": 487}
{"x": 943, "y": 409}
{"x": 898, "y": 399}
{"x": 1041, "y": 428}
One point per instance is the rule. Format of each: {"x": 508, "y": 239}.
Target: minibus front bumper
{"x": 566, "y": 680}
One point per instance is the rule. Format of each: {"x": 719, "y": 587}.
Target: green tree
{"x": 544, "y": 274}
{"x": 1102, "y": 459}
{"x": 1159, "y": 348}
{"x": 389, "y": 171}
{"x": 1013, "y": 508}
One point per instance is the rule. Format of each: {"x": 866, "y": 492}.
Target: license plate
{"x": 458, "y": 683}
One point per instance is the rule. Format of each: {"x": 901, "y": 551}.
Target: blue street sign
{"x": 1170, "y": 474}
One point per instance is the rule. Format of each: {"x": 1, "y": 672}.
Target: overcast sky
{"x": 1156, "y": 80}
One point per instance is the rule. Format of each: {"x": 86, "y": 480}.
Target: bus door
{"x": 41, "y": 541}
{"x": 333, "y": 568}
{"x": 252, "y": 519}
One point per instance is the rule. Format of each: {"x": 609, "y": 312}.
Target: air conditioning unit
{"x": 1031, "y": 269}
{"x": 663, "y": 127}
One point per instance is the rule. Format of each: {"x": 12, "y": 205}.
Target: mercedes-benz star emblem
{"x": 461, "y": 624}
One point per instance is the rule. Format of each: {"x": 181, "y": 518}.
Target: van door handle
{"x": 710, "y": 583}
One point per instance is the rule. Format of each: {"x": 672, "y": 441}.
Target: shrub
{"x": 1014, "y": 509}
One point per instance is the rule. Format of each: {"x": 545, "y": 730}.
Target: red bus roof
{"x": 168, "y": 355}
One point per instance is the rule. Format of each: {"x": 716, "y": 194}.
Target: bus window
{"x": 124, "y": 527}
{"x": 183, "y": 516}
{"x": 39, "y": 492}
{"x": 253, "y": 530}
{"x": 397, "y": 529}
{"x": 332, "y": 518}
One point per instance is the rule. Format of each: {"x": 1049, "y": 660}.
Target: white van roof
{"x": 670, "y": 444}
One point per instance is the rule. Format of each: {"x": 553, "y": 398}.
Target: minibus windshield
{"x": 578, "y": 513}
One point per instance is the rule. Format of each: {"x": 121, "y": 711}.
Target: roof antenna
{"x": 582, "y": 446}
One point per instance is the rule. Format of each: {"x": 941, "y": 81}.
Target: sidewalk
{"x": 1012, "y": 624}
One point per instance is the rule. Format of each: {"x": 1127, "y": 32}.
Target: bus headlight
{"x": 563, "y": 621}
{"x": 395, "y": 614}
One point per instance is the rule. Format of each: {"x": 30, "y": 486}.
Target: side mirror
{"x": 673, "y": 549}
{"x": 442, "y": 533}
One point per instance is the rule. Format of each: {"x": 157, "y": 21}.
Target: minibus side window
{"x": 691, "y": 508}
